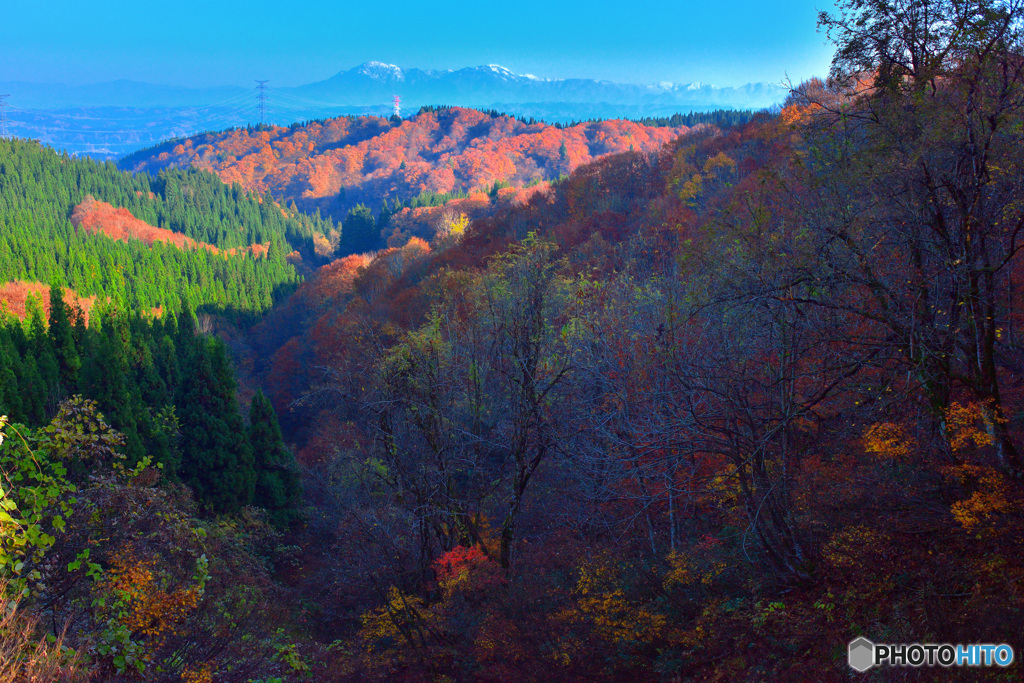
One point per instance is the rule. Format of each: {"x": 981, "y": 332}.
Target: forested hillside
{"x": 705, "y": 412}
{"x": 40, "y": 190}
{"x": 332, "y": 165}
{"x": 132, "y": 481}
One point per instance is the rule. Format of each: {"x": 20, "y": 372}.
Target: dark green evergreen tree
{"x": 40, "y": 347}
{"x": 62, "y": 338}
{"x": 33, "y": 392}
{"x": 186, "y": 338}
{"x": 106, "y": 379}
{"x": 384, "y": 217}
{"x": 277, "y": 482}
{"x": 10, "y": 362}
{"x": 216, "y": 460}
{"x": 359, "y": 232}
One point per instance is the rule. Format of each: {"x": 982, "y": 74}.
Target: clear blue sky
{"x": 222, "y": 42}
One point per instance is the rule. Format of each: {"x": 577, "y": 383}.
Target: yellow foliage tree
{"x": 889, "y": 441}
{"x": 603, "y": 612}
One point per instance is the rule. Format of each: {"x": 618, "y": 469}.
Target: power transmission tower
{"x": 261, "y": 100}
{"x": 3, "y": 115}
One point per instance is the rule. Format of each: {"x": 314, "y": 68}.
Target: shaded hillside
{"x": 709, "y": 412}
{"x": 105, "y": 496}
{"x": 717, "y": 410}
{"x": 591, "y": 213}
{"x": 331, "y": 165}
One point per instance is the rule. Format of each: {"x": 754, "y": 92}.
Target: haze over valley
{"x": 111, "y": 119}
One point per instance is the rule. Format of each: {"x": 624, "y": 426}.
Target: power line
{"x": 222, "y": 113}
{"x": 3, "y": 115}
{"x": 261, "y": 99}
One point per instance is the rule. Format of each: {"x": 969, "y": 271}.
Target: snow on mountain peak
{"x": 380, "y": 70}
{"x": 501, "y": 71}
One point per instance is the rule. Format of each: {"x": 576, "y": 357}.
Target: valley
{"x": 453, "y": 393}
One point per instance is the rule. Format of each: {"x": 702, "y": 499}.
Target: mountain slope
{"x": 671, "y": 340}
{"x": 331, "y": 165}
{"x": 482, "y": 86}
{"x": 43, "y": 238}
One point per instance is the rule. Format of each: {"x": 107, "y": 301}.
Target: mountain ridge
{"x": 51, "y": 96}
{"x": 332, "y": 164}
{"x": 481, "y": 84}
{"x": 111, "y": 119}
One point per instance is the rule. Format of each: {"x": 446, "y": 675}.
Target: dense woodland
{"x": 39, "y": 191}
{"x": 169, "y": 391}
{"x": 331, "y": 165}
{"x": 702, "y": 412}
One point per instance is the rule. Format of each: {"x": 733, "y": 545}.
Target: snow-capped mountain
{"x": 379, "y": 71}
{"x": 483, "y": 86}
{"x": 111, "y": 119}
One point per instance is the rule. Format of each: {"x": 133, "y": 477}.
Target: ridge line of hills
{"x": 354, "y": 86}
{"x": 332, "y": 165}
{"x": 111, "y": 119}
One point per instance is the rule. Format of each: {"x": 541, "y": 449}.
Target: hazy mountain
{"x": 115, "y": 118}
{"x": 121, "y": 93}
{"x": 481, "y": 86}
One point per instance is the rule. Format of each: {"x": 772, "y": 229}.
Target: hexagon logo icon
{"x": 861, "y": 654}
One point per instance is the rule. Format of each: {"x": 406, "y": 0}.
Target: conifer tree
{"x": 185, "y": 340}
{"x": 359, "y": 232}
{"x": 216, "y": 460}
{"x": 33, "y": 403}
{"x": 10, "y": 396}
{"x": 277, "y": 483}
{"x": 62, "y": 338}
{"x": 384, "y": 217}
{"x": 41, "y": 348}
{"x": 106, "y": 379}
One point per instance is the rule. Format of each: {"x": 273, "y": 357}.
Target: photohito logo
{"x": 863, "y": 654}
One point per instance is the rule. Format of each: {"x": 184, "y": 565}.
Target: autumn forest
{"x": 470, "y": 397}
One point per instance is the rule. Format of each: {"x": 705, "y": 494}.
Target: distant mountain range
{"x": 112, "y": 119}
{"x": 482, "y": 86}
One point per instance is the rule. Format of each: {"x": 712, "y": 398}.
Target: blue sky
{"x": 217, "y": 42}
